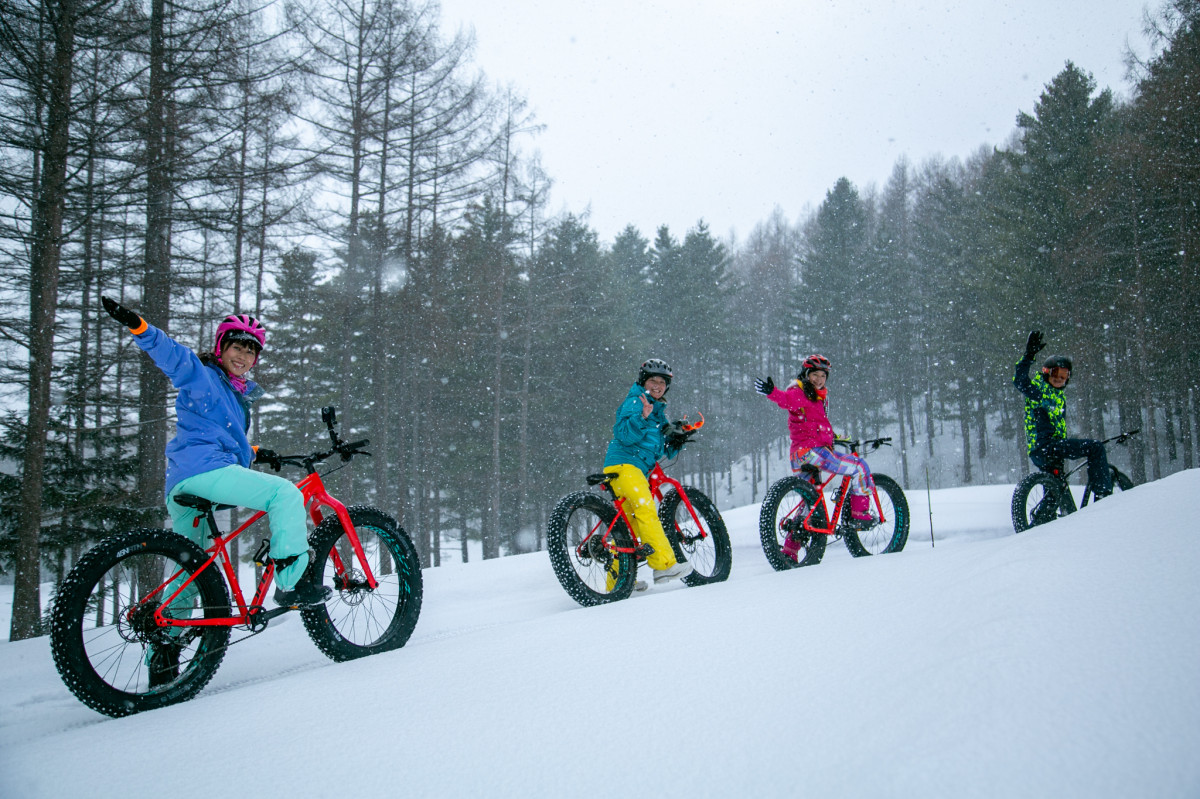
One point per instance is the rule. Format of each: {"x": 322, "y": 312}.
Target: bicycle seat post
{"x": 211, "y": 517}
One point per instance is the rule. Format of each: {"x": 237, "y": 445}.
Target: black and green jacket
{"x": 1045, "y": 407}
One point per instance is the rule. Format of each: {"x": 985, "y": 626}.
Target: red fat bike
{"x": 795, "y": 508}
{"x": 143, "y": 619}
{"x": 595, "y": 552}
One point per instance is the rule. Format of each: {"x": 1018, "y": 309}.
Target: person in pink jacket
{"x": 812, "y": 436}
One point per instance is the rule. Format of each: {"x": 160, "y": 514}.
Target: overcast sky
{"x": 669, "y": 112}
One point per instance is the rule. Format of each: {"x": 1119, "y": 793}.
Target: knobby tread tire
{"x": 712, "y": 557}
{"x": 563, "y": 555}
{"x": 1051, "y": 490}
{"x": 900, "y": 521}
{"x": 358, "y": 622}
{"x": 118, "y": 688}
{"x": 769, "y": 534}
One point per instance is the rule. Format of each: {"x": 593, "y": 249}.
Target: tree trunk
{"x": 47, "y": 223}
{"x": 156, "y": 287}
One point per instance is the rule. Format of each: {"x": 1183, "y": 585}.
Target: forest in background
{"x": 347, "y": 174}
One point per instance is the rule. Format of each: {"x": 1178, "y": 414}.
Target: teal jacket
{"x": 636, "y": 440}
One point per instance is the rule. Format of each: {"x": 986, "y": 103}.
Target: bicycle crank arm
{"x": 260, "y": 617}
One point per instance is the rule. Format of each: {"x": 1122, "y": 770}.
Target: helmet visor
{"x": 241, "y": 337}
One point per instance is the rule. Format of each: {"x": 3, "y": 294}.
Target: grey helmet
{"x": 652, "y": 367}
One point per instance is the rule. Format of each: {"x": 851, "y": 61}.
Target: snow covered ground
{"x": 1062, "y": 662}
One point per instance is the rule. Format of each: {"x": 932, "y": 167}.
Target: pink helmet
{"x": 241, "y": 327}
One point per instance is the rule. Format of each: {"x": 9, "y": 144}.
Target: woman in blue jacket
{"x": 210, "y": 454}
{"x": 638, "y": 442}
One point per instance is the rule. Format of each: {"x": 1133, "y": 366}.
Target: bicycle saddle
{"x": 597, "y": 479}
{"x": 199, "y": 503}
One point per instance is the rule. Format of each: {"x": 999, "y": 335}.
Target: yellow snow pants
{"x": 642, "y": 513}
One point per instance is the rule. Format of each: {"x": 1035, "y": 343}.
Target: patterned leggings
{"x": 829, "y": 460}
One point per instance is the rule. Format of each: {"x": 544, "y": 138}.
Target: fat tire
{"x": 587, "y": 510}
{"x": 1023, "y": 517}
{"x": 104, "y": 665}
{"x": 358, "y": 621}
{"x": 900, "y": 522}
{"x": 711, "y": 557}
{"x": 787, "y": 493}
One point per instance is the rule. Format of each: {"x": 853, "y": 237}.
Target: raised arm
{"x": 1035, "y": 344}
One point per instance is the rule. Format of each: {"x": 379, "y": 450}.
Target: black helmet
{"x": 1057, "y": 362}
{"x": 814, "y": 363}
{"x": 655, "y": 366}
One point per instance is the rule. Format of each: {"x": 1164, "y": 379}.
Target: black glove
{"x": 676, "y": 439}
{"x": 121, "y": 313}
{"x": 674, "y": 435}
{"x": 268, "y": 457}
{"x": 1035, "y": 344}
{"x": 764, "y": 387}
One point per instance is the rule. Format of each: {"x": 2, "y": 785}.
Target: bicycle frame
{"x": 843, "y": 491}
{"x": 1064, "y": 475}
{"x": 657, "y": 478}
{"x": 315, "y": 497}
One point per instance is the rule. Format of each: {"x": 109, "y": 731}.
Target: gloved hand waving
{"x": 122, "y": 314}
{"x": 1035, "y": 344}
{"x": 764, "y": 387}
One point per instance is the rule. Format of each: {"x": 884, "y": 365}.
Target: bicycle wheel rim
{"x": 105, "y": 641}
{"x": 592, "y": 558}
{"x": 787, "y": 506}
{"x": 365, "y": 616}
{"x": 880, "y": 538}
{"x": 696, "y": 541}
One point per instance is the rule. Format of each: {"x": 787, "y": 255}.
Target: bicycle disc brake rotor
{"x": 352, "y": 586}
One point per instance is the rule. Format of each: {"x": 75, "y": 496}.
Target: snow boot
{"x": 164, "y": 664}
{"x": 674, "y": 572}
{"x": 860, "y": 509}
{"x": 791, "y": 547}
{"x": 306, "y": 593}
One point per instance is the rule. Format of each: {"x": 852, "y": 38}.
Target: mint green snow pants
{"x": 237, "y": 485}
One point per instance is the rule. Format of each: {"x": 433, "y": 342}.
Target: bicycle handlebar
{"x": 342, "y": 448}
{"x": 873, "y": 443}
{"x": 1123, "y": 437}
